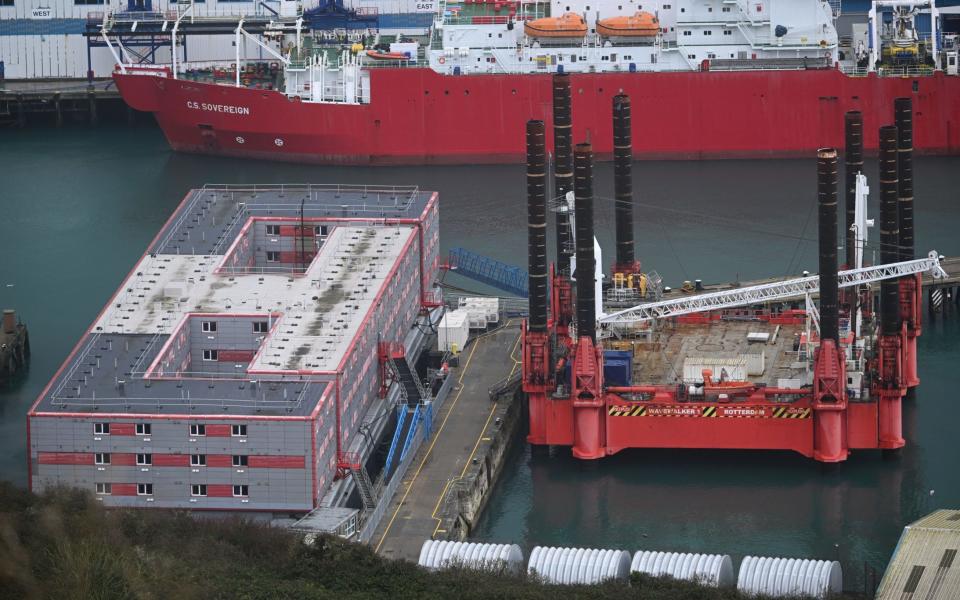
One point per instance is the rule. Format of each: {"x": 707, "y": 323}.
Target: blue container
{"x": 633, "y": 67}
{"x": 618, "y": 367}
{"x": 616, "y": 371}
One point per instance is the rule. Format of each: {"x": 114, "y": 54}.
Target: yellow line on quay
{"x": 433, "y": 442}
{"x": 476, "y": 445}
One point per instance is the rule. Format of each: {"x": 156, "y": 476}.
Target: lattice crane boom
{"x": 771, "y": 292}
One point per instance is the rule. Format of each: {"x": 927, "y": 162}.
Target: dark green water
{"x": 79, "y": 206}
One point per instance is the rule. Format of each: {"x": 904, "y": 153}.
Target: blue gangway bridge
{"x": 488, "y": 270}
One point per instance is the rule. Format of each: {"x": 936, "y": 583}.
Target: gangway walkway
{"x": 459, "y": 430}
{"x": 487, "y": 270}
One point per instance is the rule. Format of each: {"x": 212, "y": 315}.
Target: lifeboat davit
{"x": 568, "y": 26}
{"x": 640, "y": 25}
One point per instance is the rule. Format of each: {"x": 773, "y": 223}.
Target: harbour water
{"x": 79, "y": 206}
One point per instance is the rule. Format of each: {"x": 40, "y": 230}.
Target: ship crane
{"x": 771, "y": 292}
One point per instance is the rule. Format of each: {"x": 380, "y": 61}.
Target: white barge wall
{"x": 44, "y": 38}
{"x": 442, "y": 554}
{"x": 714, "y": 570}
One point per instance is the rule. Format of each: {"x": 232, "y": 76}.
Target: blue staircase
{"x": 397, "y": 435}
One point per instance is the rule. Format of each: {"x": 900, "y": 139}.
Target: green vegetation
{"x": 63, "y": 544}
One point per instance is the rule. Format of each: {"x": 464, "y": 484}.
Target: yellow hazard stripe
{"x": 627, "y": 411}
{"x": 780, "y": 412}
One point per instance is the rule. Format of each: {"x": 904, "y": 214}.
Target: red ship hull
{"x": 417, "y": 116}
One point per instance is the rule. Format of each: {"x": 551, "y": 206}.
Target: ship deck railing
{"x": 410, "y": 192}
{"x": 904, "y": 71}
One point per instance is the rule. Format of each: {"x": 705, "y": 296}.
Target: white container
{"x": 578, "y": 565}
{"x": 453, "y": 331}
{"x": 756, "y": 363}
{"x": 714, "y": 570}
{"x": 789, "y": 577}
{"x": 481, "y": 311}
{"x": 442, "y": 554}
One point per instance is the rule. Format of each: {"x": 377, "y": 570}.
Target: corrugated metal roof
{"x": 925, "y": 563}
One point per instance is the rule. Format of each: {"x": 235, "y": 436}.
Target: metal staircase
{"x": 369, "y": 492}
{"x": 412, "y": 388}
{"x": 402, "y": 411}
{"x": 365, "y": 487}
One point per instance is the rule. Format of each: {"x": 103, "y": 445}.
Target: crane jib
{"x": 772, "y": 292}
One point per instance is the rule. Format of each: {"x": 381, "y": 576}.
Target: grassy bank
{"x": 63, "y": 544}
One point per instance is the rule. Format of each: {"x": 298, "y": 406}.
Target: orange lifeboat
{"x": 640, "y": 25}
{"x": 376, "y": 55}
{"x": 724, "y": 386}
{"x": 570, "y": 25}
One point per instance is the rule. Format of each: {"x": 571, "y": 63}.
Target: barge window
{"x": 239, "y": 460}
{"x": 144, "y": 459}
{"x": 198, "y": 430}
{"x": 273, "y": 230}
{"x": 238, "y": 430}
{"x": 104, "y": 489}
{"x": 208, "y": 326}
{"x": 101, "y": 458}
{"x": 260, "y": 327}
{"x": 101, "y": 428}
{"x": 320, "y": 230}
{"x": 210, "y": 355}
{"x": 241, "y": 491}
{"x": 273, "y": 256}
{"x": 143, "y": 428}
{"x": 198, "y": 489}
{"x": 144, "y": 489}
{"x": 198, "y": 460}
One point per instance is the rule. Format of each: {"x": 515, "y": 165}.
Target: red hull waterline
{"x": 417, "y": 116}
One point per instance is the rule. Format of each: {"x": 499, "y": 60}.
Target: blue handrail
{"x": 401, "y": 418}
{"x": 489, "y": 271}
{"x": 410, "y": 433}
